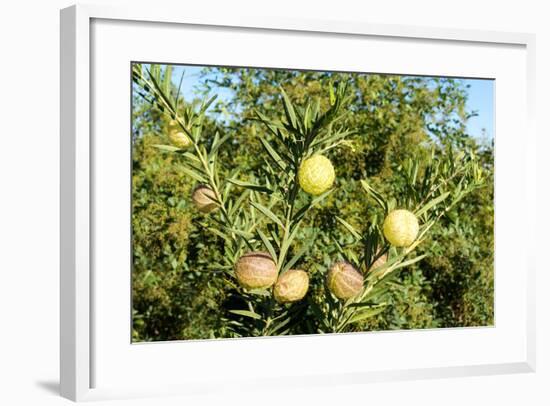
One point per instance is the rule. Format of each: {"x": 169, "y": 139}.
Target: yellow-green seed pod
{"x": 291, "y": 286}
{"x": 256, "y": 270}
{"x": 344, "y": 281}
{"x": 401, "y": 228}
{"x": 180, "y": 139}
{"x": 203, "y": 198}
{"x": 173, "y": 125}
{"x": 316, "y": 175}
{"x": 177, "y": 137}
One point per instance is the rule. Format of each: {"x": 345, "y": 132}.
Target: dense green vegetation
{"x": 403, "y": 143}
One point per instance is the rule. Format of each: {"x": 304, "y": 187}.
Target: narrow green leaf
{"x": 321, "y": 197}
{"x": 286, "y": 244}
{"x": 300, "y": 213}
{"x": 304, "y": 209}
{"x": 362, "y": 304}
{"x": 193, "y": 174}
{"x": 246, "y": 313}
{"x": 268, "y": 213}
{"x": 280, "y": 325}
{"x": 218, "y": 233}
{"x": 289, "y": 109}
{"x": 239, "y": 202}
{"x": 250, "y": 186}
{"x": 196, "y": 161}
{"x": 272, "y": 125}
{"x": 349, "y": 227}
{"x": 154, "y": 74}
{"x": 432, "y": 203}
{"x": 409, "y": 262}
{"x": 167, "y": 148}
{"x": 217, "y": 144}
{"x": 296, "y": 257}
{"x": 273, "y": 154}
{"x": 244, "y": 234}
{"x": 332, "y": 97}
{"x": 267, "y": 245}
{"x": 208, "y": 103}
{"x": 179, "y": 90}
{"x": 375, "y": 195}
{"x": 307, "y": 117}
{"x": 331, "y": 138}
{"x": 260, "y": 292}
{"x": 365, "y": 314}
{"x": 167, "y": 79}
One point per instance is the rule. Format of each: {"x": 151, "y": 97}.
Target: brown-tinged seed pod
{"x": 256, "y": 270}
{"x": 291, "y": 286}
{"x": 344, "y": 281}
{"x": 381, "y": 261}
{"x": 203, "y": 198}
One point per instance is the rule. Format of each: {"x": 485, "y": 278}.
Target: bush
{"x": 394, "y": 142}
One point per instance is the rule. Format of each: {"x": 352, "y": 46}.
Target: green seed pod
{"x": 203, "y": 198}
{"x": 291, "y": 286}
{"x": 177, "y": 137}
{"x": 180, "y": 139}
{"x": 256, "y": 270}
{"x": 316, "y": 175}
{"x": 344, "y": 281}
{"x": 173, "y": 125}
{"x": 401, "y": 228}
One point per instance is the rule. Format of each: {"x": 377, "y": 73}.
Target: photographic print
{"x": 274, "y": 202}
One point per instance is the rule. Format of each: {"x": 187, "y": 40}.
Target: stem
{"x": 434, "y": 188}
{"x": 288, "y": 219}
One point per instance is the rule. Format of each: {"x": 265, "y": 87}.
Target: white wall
{"x": 29, "y": 188}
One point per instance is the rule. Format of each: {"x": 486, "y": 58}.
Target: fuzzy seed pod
{"x": 203, "y": 198}
{"x": 401, "y": 228}
{"x": 378, "y": 263}
{"x": 256, "y": 270}
{"x": 173, "y": 125}
{"x": 316, "y": 175}
{"x": 291, "y": 286}
{"x": 180, "y": 139}
{"x": 344, "y": 281}
{"x": 177, "y": 137}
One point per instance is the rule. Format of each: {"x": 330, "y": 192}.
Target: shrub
{"x": 280, "y": 206}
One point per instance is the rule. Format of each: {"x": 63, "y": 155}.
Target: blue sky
{"x": 190, "y": 79}
{"x": 480, "y": 99}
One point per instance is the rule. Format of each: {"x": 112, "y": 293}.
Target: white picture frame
{"x": 78, "y": 351}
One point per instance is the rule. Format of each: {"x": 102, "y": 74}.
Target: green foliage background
{"x": 177, "y": 294}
